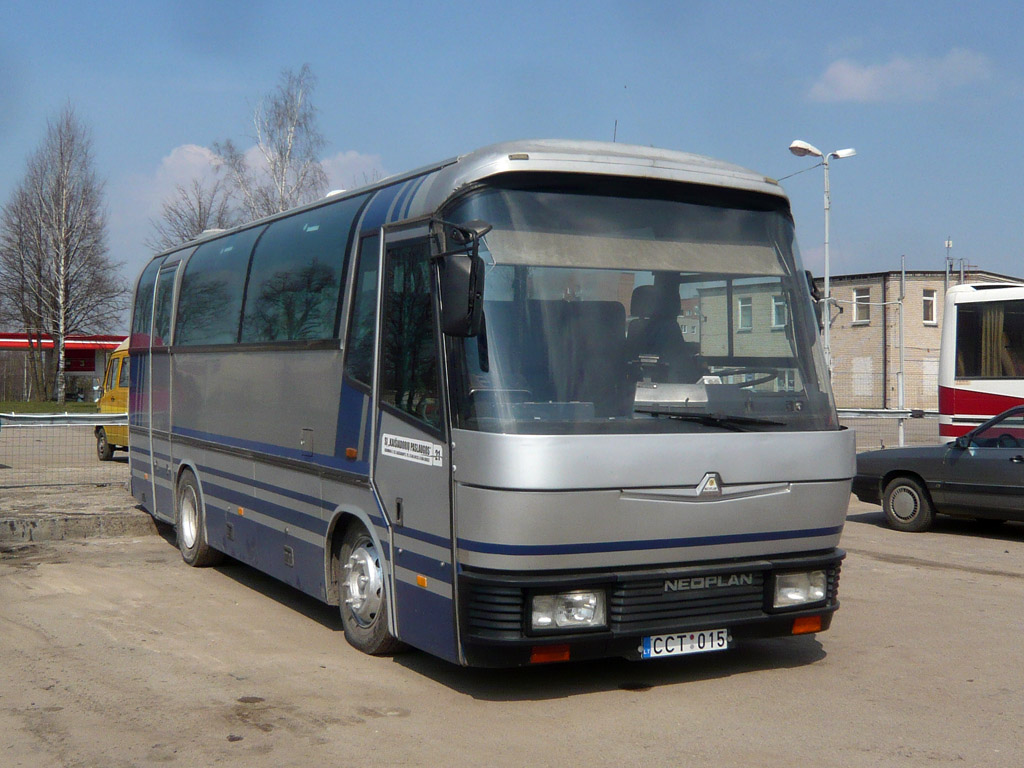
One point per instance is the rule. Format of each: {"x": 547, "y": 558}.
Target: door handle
{"x": 1017, "y": 459}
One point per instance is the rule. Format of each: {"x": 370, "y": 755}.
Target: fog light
{"x": 579, "y": 609}
{"x": 799, "y": 588}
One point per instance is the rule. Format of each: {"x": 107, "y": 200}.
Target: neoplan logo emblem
{"x": 711, "y": 485}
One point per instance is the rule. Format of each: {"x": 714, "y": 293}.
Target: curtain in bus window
{"x": 992, "y": 341}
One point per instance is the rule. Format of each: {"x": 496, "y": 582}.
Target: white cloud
{"x": 350, "y": 169}
{"x": 901, "y": 78}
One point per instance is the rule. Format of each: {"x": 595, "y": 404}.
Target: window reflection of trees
{"x": 294, "y": 305}
{"x": 201, "y": 311}
{"x": 409, "y": 365}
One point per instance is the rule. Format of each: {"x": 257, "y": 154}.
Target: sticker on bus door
{"x": 410, "y": 449}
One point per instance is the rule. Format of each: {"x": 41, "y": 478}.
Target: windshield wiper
{"x": 721, "y": 420}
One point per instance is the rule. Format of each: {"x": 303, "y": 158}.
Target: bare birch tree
{"x": 55, "y": 275}
{"x": 288, "y": 144}
{"x": 192, "y": 211}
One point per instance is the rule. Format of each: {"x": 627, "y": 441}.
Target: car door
{"x": 986, "y": 478}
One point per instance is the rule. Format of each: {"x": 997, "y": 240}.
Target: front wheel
{"x": 907, "y": 505}
{"x": 103, "y": 449}
{"x": 364, "y": 596}
{"x": 191, "y": 525}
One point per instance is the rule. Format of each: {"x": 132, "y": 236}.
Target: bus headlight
{"x": 793, "y": 589}
{"x": 579, "y": 609}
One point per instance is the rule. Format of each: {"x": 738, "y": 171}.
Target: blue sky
{"x": 931, "y": 96}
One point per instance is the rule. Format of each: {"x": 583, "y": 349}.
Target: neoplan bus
{"x": 544, "y": 401}
{"x": 981, "y": 358}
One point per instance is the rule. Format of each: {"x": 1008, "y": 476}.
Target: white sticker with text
{"x": 410, "y": 449}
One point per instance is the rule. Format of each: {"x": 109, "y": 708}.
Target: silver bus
{"x": 544, "y": 401}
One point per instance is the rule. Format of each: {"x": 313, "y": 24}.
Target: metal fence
{"x": 879, "y": 428}
{"x": 37, "y": 450}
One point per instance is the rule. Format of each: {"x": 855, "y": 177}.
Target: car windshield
{"x": 631, "y": 313}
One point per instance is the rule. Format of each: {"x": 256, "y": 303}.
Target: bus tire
{"x": 363, "y": 594}
{"x": 907, "y": 505}
{"x": 103, "y": 449}
{"x": 190, "y": 525}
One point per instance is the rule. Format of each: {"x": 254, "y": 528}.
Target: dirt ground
{"x": 114, "y": 653}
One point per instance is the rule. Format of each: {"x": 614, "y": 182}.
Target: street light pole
{"x": 803, "y": 149}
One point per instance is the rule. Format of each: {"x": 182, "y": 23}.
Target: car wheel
{"x": 907, "y": 505}
{"x": 191, "y": 525}
{"x": 364, "y": 597}
{"x": 103, "y": 449}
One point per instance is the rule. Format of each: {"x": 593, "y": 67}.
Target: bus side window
{"x": 123, "y": 378}
{"x": 210, "y": 300}
{"x": 296, "y": 274}
{"x": 361, "y": 336}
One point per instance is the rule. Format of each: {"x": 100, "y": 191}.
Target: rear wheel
{"x": 907, "y": 505}
{"x": 191, "y": 525}
{"x": 103, "y": 449}
{"x": 363, "y": 592}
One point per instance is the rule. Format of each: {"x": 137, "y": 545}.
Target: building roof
{"x": 93, "y": 342}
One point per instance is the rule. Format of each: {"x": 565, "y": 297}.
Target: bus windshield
{"x": 636, "y": 313}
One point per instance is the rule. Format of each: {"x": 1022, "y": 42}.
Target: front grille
{"x": 642, "y": 605}
{"x": 494, "y": 611}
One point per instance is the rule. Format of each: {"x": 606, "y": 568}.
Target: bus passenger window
{"x": 296, "y": 274}
{"x": 210, "y": 304}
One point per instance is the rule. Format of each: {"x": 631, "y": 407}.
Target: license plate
{"x": 704, "y": 641}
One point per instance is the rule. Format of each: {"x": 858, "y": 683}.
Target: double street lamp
{"x": 803, "y": 149}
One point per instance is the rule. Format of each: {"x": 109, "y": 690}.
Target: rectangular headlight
{"x": 792, "y": 589}
{"x": 579, "y": 609}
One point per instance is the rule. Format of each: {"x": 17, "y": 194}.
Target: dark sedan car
{"x": 979, "y": 475}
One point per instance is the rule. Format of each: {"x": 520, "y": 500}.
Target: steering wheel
{"x": 761, "y": 375}
{"x": 1006, "y": 440}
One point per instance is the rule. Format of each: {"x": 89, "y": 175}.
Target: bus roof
{"x": 435, "y": 184}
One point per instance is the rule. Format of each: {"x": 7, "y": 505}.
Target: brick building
{"x": 865, "y": 336}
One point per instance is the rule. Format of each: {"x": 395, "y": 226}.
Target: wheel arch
{"x": 342, "y": 518}
{"x": 895, "y": 474}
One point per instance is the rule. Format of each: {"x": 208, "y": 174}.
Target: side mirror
{"x": 461, "y": 280}
{"x": 817, "y": 297}
{"x": 462, "y": 293}
{"x": 963, "y": 442}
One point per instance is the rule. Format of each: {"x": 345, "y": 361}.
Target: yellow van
{"x": 114, "y": 400}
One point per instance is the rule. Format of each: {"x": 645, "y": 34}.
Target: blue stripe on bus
{"x": 377, "y": 211}
{"x": 325, "y": 504}
{"x": 428, "y": 566}
{"x": 296, "y": 454}
{"x": 277, "y": 511}
{"x": 403, "y": 196}
{"x": 426, "y": 538}
{"x": 642, "y": 544}
{"x": 408, "y": 201}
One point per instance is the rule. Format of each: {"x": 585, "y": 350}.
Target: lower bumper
{"x": 733, "y": 595}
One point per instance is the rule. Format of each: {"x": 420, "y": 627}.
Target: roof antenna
{"x": 615, "y": 131}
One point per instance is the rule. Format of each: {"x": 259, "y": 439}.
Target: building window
{"x": 928, "y": 307}
{"x": 745, "y": 319}
{"x": 861, "y": 305}
{"x": 778, "y": 312}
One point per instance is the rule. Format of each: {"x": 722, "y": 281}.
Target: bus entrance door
{"x": 411, "y": 467}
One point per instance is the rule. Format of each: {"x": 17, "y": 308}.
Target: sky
{"x": 931, "y": 95}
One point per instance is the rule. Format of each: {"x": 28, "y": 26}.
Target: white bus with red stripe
{"x": 981, "y": 362}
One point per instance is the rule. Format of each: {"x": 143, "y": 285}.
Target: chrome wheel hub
{"x": 363, "y": 584}
{"x": 189, "y": 517}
